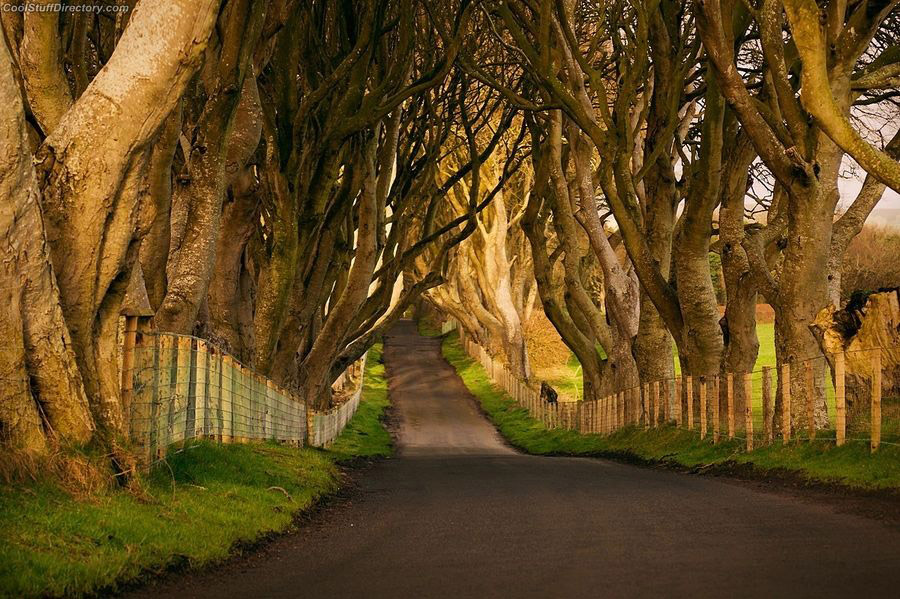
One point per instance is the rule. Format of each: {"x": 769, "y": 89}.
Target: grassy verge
{"x": 850, "y": 465}
{"x": 197, "y": 508}
{"x": 365, "y": 435}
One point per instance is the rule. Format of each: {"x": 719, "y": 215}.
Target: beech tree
{"x": 631, "y": 135}
{"x": 801, "y": 276}
{"x": 286, "y": 178}
{"x": 490, "y": 287}
{"x": 82, "y": 195}
{"x": 239, "y": 157}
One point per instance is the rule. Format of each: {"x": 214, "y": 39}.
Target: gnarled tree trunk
{"x": 41, "y": 391}
{"x": 90, "y": 169}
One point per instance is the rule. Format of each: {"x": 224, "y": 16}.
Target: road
{"x": 457, "y": 513}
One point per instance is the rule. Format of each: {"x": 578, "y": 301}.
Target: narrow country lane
{"x": 459, "y": 514}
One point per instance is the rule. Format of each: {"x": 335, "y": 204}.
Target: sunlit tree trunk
{"x": 229, "y": 84}
{"x": 41, "y": 392}
{"x": 91, "y": 168}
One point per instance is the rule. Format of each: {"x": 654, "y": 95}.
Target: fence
{"x": 844, "y": 398}
{"x": 179, "y": 387}
{"x": 326, "y": 426}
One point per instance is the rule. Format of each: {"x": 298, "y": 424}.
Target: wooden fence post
{"x": 810, "y": 400}
{"x": 601, "y": 408}
{"x": 589, "y": 415}
{"x": 146, "y": 396}
{"x": 259, "y": 406}
{"x": 227, "y": 401}
{"x": 667, "y": 405}
{"x": 655, "y": 404}
{"x": 786, "y": 402}
{"x": 715, "y": 409}
{"x": 201, "y": 388}
{"x": 273, "y": 424}
{"x": 702, "y": 407}
{"x": 645, "y": 405}
{"x": 614, "y": 412}
{"x": 638, "y": 403}
{"x": 183, "y": 394}
{"x": 676, "y": 405}
{"x": 748, "y": 409}
{"x": 167, "y": 372}
{"x": 840, "y": 399}
{"x": 689, "y": 392}
{"x": 876, "y": 400}
{"x": 214, "y": 405}
{"x": 127, "y": 385}
{"x": 767, "y": 405}
{"x": 729, "y": 383}
{"x": 247, "y": 407}
{"x": 621, "y": 396}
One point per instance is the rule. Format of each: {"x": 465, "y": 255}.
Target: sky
{"x": 886, "y": 212}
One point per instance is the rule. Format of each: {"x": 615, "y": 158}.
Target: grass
{"x": 850, "y": 465}
{"x": 567, "y": 379}
{"x": 365, "y": 435}
{"x": 196, "y": 508}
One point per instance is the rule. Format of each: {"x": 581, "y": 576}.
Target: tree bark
{"x": 40, "y": 61}
{"x": 230, "y": 90}
{"x": 316, "y": 367}
{"x": 155, "y": 210}
{"x": 42, "y": 394}
{"x": 89, "y": 171}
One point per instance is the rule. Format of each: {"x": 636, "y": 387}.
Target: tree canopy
{"x": 287, "y": 178}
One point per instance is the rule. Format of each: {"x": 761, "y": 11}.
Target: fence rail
{"x": 818, "y": 400}
{"x": 180, "y": 387}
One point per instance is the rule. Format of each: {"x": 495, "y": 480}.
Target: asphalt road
{"x": 459, "y": 514}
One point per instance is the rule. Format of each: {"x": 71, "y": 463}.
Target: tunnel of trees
{"x": 287, "y": 178}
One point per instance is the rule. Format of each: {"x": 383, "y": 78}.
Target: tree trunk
{"x": 42, "y": 393}
{"x": 42, "y": 71}
{"x": 155, "y": 210}
{"x": 739, "y": 323}
{"x": 803, "y": 285}
{"x": 653, "y": 344}
{"x": 316, "y": 367}
{"x": 864, "y": 325}
{"x": 228, "y": 295}
{"x": 90, "y": 170}
{"x": 218, "y": 145}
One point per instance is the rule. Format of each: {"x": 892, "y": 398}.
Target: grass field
{"x": 567, "y": 379}
{"x": 851, "y": 464}
{"x": 196, "y": 507}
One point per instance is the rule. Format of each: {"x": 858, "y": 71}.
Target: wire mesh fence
{"x": 847, "y": 397}
{"x": 178, "y": 387}
{"x": 326, "y": 426}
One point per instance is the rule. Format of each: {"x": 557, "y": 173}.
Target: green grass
{"x": 427, "y": 328}
{"x": 196, "y": 507}
{"x": 365, "y": 435}
{"x": 568, "y": 381}
{"x": 851, "y": 464}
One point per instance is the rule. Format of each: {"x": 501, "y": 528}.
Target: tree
{"x": 801, "y": 156}
{"x": 88, "y": 173}
{"x": 490, "y": 288}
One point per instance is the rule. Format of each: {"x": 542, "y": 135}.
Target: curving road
{"x": 459, "y": 514}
